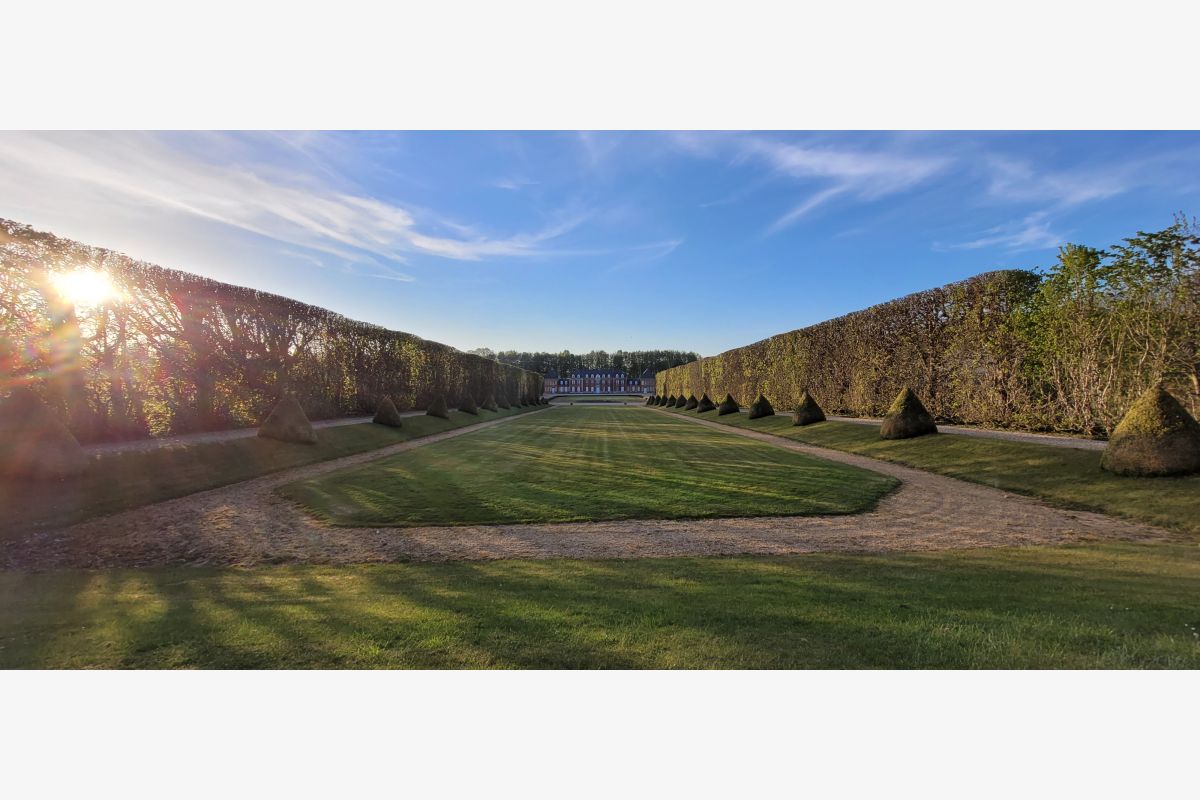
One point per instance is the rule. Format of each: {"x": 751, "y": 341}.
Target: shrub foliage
{"x": 387, "y": 414}
{"x": 1067, "y": 349}
{"x": 807, "y": 412}
{"x": 183, "y": 353}
{"x": 437, "y": 408}
{"x": 705, "y": 405}
{"x": 728, "y": 406}
{"x": 287, "y": 422}
{"x": 761, "y": 407}
{"x": 907, "y": 418}
{"x": 1156, "y": 437}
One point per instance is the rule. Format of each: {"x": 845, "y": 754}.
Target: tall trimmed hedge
{"x": 183, "y": 353}
{"x": 1070, "y": 349}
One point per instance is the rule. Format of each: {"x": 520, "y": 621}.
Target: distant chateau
{"x": 599, "y": 381}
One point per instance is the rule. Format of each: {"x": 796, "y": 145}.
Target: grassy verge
{"x": 117, "y": 481}
{"x": 574, "y": 464}
{"x": 1063, "y": 476}
{"x": 1095, "y": 606}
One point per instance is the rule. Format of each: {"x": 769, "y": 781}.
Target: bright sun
{"x": 84, "y": 287}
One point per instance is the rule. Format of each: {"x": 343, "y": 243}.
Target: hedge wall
{"x": 179, "y": 352}
{"x": 1066, "y": 350}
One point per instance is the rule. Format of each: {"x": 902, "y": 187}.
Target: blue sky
{"x": 545, "y": 241}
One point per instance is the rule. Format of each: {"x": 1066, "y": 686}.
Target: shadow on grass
{"x": 1108, "y": 606}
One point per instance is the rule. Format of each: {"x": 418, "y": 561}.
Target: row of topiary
{"x": 1156, "y": 437}
{"x": 34, "y": 442}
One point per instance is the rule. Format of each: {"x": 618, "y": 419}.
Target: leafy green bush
{"x": 386, "y": 414}
{"x": 34, "y": 443}
{"x": 287, "y": 422}
{"x": 761, "y": 408}
{"x": 728, "y": 406}
{"x": 705, "y": 405}
{"x": 907, "y": 418}
{"x": 1156, "y": 437}
{"x": 807, "y": 411}
{"x": 692, "y": 402}
{"x": 437, "y": 408}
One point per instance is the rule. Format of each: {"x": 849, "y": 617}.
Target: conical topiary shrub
{"x": 467, "y": 405}
{"x": 502, "y": 401}
{"x": 437, "y": 408}
{"x": 650, "y": 400}
{"x": 705, "y": 405}
{"x": 34, "y": 442}
{"x": 680, "y": 401}
{"x": 490, "y": 403}
{"x": 1157, "y": 436}
{"x": 807, "y": 412}
{"x": 387, "y": 414}
{"x": 692, "y": 402}
{"x": 670, "y": 401}
{"x": 728, "y": 406}
{"x": 907, "y": 418}
{"x": 287, "y": 422}
{"x": 659, "y": 400}
{"x": 761, "y": 408}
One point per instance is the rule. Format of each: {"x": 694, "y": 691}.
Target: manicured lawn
{"x": 1063, "y": 476}
{"x": 1094, "y": 606}
{"x": 116, "y": 481}
{"x": 571, "y": 464}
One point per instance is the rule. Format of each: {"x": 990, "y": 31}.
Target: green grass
{"x": 1093, "y": 606}
{"x": 572, "y": 464}
{"x": 117, "y": 481}
{"x": 1066, "y": 477}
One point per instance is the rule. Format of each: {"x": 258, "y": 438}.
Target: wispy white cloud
{"x": 96, "y": 170}
{"x": 823, "y": 172}
{"x": 1033, "y": 232}
{"x": 1012, "y": 180}
{"x": 513, "y": 183}
{"x": 863, "y": 174}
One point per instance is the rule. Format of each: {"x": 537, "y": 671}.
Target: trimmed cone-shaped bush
{"x": 705, "y": 405}
{"x": 1157, "y": 436}
{"x": 650, "y": 400}
{"x": 490, "y": 403}
{"x": 761, "y": 408}
{"x": 502, "y": 401}
{"x": 728, "y": 406}
{"x": 680, "y": 401}
{"x": 692, "y": 402}
{"x": 659, "y": 400}
{"x": 287, "y": 422}
{"x": 670, "y": 401}
{"x": 467, "y": 405}
{"x": 437, "y": 408}
{"x": 34, "y": 443}
{"x": 907, "y": 418}
{"x": 387, "y": 414}
{"x": 807, "y": 412}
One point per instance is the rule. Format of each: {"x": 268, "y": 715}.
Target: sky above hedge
{"x": 545, "y": 241}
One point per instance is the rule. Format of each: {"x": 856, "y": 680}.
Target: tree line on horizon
{"x": 1067, "y": 348}
{"x": 634, "y": 362}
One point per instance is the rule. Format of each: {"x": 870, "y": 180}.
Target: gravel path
{"x": 1054, "y": 440}
{"x": 247, "y": 524}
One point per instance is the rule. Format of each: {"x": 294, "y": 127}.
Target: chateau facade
{"x": 599, "y": 381}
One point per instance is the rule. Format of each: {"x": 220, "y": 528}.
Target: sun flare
{"x": 84, "y": 287}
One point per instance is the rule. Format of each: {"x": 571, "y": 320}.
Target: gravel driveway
{"x": 248, "y": 524}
